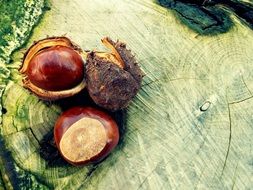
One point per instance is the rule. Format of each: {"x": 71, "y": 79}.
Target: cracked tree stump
{"x": 190, "y": 126}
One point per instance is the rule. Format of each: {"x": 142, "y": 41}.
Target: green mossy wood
{"x": 190, "y": 126}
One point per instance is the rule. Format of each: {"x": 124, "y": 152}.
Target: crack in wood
{"x": 91, "y": 171}
{"x": 88, "y": 175}
{"x": 14, "y": 125}
{"x": 229, "y": 140}
{"x": 151, "y": 82}
{"x": 206, "y": 11}
{"x": 246, "y": 84}
{"x": 234, "y": 177}
{"x": 240, "y": 101}
{"x": 34, "y": 135}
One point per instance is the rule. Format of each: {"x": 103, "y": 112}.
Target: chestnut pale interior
{"x": 56, "y": 68}
{"x": 110, "y": 58}
{"x": 106, "y": 42}
{"x": 113, "y": 56}
{"x": 83, "y": 140}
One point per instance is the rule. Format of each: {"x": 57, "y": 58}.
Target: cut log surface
{"x": 189, "y": 127}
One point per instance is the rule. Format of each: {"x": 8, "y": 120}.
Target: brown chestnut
{"x": 85, "y": 135}
{"x": 112, "y": 78}
{"x": 53, "y": 68}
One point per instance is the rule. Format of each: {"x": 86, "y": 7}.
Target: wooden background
{"x": 190, "y": 126}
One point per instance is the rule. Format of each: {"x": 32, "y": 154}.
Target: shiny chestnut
{"x": 53, "y": 68}
{"x": 85, "y": 135}
{"x": 113, "y": 78}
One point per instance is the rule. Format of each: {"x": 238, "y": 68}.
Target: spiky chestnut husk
{"x": 114, "y": 78}
{"x": 53, "y": 68}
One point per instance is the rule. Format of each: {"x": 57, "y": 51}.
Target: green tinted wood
{"x": 190, "y": 126}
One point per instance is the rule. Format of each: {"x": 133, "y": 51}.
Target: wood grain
{"x": 190, "y": 126}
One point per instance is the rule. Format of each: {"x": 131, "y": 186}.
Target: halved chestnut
{"x": 85, "y": 135}
{"x": 53, "y": 68}
{"x": 113, "y": 78}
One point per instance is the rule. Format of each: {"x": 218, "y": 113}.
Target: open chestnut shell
{"x": 113, "y": 78}
{"x": 53, "y": 68}
{"x": 85, "y": 135}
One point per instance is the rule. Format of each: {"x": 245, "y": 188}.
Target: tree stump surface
{"x": 189, "y": 127}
